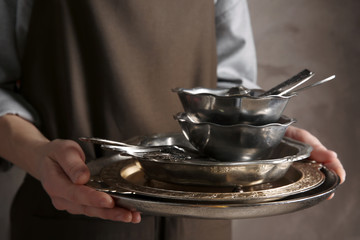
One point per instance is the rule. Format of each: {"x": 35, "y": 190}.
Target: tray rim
{"x": 216, "y": 210}
{"x": 310, "y": 178}
{"x": 230, "y": 210}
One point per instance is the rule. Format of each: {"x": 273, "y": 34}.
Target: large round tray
{"x": 127, "y": 176}
{"x": 215, "y": 210}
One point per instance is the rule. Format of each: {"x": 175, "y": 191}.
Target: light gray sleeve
{"x": 235, "y": 43}
{"x": 14, "y": 21}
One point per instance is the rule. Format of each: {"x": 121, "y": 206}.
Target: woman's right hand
{"x": 63, "y": 173}
{"x": 60, "y": 166}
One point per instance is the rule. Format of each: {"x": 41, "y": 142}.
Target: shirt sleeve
{"x": 235, "y": 44}
{"x": 14, "y": 21}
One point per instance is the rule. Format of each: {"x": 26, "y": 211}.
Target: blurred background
{"x": 323, "y": 36}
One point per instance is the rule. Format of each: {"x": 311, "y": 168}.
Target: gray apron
{"x": 105, "y": 68}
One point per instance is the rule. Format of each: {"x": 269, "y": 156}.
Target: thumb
{"x": 71, "y": 158}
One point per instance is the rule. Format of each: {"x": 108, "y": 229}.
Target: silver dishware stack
{"x": 242, "y": 126}
{"x": 230, "y": 160}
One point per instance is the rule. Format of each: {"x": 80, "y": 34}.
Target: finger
{"x": 80, "y": 194}
{"x": 320, "y": 153}
{"x": 136, "y": 217}
{"x": 338, "y": 169}
{"x": 57, "y": 183}
{"x": 89, "y": 197}
{"x": 331, "y": 196}
{"x": 114, "y": 214}
{"x": 303, "y": 136}
{"x": 71, "y": 158}
{"x": 330, "y": 160}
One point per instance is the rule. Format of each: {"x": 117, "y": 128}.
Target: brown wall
{"x": 323, "y": 36}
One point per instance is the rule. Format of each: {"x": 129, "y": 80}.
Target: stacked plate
{"x": 150, "y": 186}
{"x": 231, "y": 160}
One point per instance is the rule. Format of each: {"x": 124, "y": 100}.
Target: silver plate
{"x": 127, "y": 176}
{"x": 288, "y": 150}
{"x": 216, "y": 173}
{"x": 214, "y": 210}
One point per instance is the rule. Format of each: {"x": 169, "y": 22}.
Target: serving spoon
{"x": 311, "y": 85}
{"x": 294, "y": 82}
{"x": 170, "y": 152}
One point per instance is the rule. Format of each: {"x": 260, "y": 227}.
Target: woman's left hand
{"x": 320, "y": 153}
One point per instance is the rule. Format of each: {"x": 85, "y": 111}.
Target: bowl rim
{"x": 189, "y": 91}
{"x": 303, "y": 152}
{"x": 184, "y": 117}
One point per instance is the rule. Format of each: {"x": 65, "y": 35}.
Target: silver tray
{"x": 127, "y": 176}
{"x": 216, "y": 210}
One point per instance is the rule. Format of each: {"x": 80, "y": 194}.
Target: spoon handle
{"x": 281, "y": 93}
{"x": 295, "y": 79}
{"x": 103, "y": 141}
{"x": 313, "y": 85}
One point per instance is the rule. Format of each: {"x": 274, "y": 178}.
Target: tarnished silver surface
{"x": 166, "y": 152}
{"x": 210, "y": 172}
{"x": 217, "y": 210}
{"x": 126, "y": 146}
{"x": 215, "y": 173}
{"x": 175, "y": 168}
{"x": 172, "y": 153}
{"x": 218, "y": 106}
{"x": 129, "y": 177}
{"x": 232, "y": 210}
{"x": 239, "y": 142}
{"x": 288, "y": 150}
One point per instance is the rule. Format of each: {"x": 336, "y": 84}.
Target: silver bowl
{"x": 208, "y": 172}
{"x": 238, "y": 142}
{"x": 218, "y": 106}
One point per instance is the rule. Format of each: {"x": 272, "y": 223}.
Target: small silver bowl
{"x": 238, "y": 142}
{"x": 218, "y": 106}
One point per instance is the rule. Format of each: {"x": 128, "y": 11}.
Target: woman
{"x": 105, "y": 69}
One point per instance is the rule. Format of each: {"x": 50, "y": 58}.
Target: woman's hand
{"x": 60, "y": 166}
{"x": 63, "y": 173}
{"x": 320, "y": 153}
